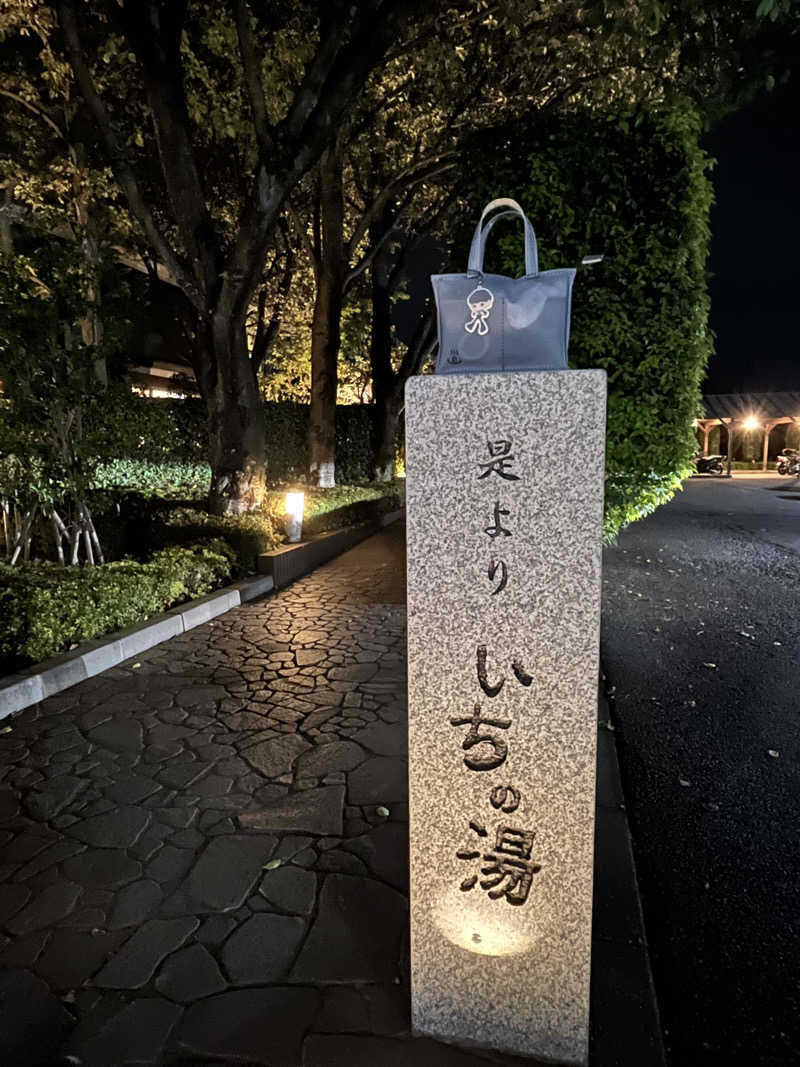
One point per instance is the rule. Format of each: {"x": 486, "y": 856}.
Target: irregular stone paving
{"x": 203, "y": 852}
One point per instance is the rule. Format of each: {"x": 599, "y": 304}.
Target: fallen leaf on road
{"x": 5, "y": 730}
{"x": 383, "y": 812}
{"x": 684, "y": 783}
{"x": 272, "y": 865}
{"x": 777, "y": 643}
{"x": 711, "y": 666}
{"x": 773, "y": 752}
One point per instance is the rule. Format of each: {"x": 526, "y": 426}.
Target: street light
{"x": 751, "y": 423}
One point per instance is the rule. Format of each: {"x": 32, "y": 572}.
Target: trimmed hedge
{"x": 144, "y": 437}
{"x": 46, "y": 608}
{"x": 632, "y": 184}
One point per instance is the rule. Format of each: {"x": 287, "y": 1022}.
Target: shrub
{"x": 45, "y": 608}
{"x": 247, "y": 535}
{"x": 630, "y": 184}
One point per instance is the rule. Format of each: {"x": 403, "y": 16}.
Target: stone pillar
{"x": 504, "y": 513}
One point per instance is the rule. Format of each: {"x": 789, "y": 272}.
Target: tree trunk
{"x": 384, "y": 391}
{"x": 326, "y": 325}
{"x": 235, "y": 420}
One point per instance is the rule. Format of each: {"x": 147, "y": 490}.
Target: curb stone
{"x": 625, "y": 1028}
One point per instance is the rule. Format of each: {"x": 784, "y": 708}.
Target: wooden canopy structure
{"x": 740, "y": 412}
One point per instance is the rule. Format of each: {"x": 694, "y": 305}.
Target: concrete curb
{"x": 289, "y": 562}
{"x": 54, "y": 675}
{"x": 624, "y": 1018}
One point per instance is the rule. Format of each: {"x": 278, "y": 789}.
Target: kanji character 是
{"x": 483, "y": 761}
{"x": 501, "y": 461}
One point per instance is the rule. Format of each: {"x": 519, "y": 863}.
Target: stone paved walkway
{"x": 203, "y": 852}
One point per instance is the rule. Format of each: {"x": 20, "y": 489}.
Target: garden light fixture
{"x": 293, "y": 518}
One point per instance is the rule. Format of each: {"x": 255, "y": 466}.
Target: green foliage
{"x": 45, "y": 608}
{"x": 247, "y": 535}
{"x": 161, "y": 446}
{"x": 631, "y": 184}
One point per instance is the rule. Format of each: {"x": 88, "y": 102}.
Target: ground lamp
{"x": 293, "y": 517}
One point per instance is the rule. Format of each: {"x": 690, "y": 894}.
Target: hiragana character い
{"x": 483, "y": 761}
{"x": 520, "y": 674}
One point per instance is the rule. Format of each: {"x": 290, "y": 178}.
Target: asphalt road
{"x": 701, "y": 629}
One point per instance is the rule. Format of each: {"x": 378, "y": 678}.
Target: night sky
{"x": 755, "y": 246}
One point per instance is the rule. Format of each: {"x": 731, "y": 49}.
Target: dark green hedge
{"x": 158, "y": 431}
{"x": 632, "y": 185}
{"x": 45, "y": 608}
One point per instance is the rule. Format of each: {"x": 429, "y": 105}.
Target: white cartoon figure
{"x": 480, "y": 303}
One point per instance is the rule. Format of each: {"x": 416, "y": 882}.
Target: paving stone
{"x": 355, "y": 672}
{"x": 27, "y": 845}
{"x": 106, "y": 867}
{"x": 380, "y": 780}
{"x": 33, "y": 1023}
{"x": 56, "y": 853}
{"x": 291, "y": 889}
{"x": 133, "y": 966}
{"x": 216, "y": 929}
{"x": 134, "y": 904}
{"x": 385, "y": 739}
{"x": 275, "y": 757}
{"x": 189, "y": 974}
{"x": 12, "y": 899}
{"x": 334, "y": 756}
{"x": 193, "y": 695}
{"x": 389, "y": 1008}
{"x": 53, "y": 903}
{"x": 72, "y": 956}
{"x": 262, "y": 949}
{"x": 120, "y": 735}
{"x": 351, "y": 1050}
{"x": 385, "y": 851}
{"x": 149, "y": 843}
{"x": 46, "y": 803}
{"x": 254, "y": 1026}
{"x": 179, "y": 775}
{"x": 188, "y": 839}
{"x": 307, "y": 656}
{"x": 356, "y": 935}
{"x": 178, "y": 817}
{"x": 137, "y": 1032}
{"x": 119, "y": 828}
{"x": 170, "y": 864}
{"x": 132, "y": 788}
{"x": 341, "y": 862}
{"x": 344, "y": 1011}
{"x": 226, "y": 872}
{"x": 317, "y": 811}
{"x": 23, "y": 951}
{"x": 213, "y": 785}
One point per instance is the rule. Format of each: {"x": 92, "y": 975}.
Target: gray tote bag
{"x": 488, "y": 322}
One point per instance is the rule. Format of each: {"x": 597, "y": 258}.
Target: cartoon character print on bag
{"x": 479, "y": 302}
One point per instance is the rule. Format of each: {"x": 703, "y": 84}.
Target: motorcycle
{"x": 709, "y": 464}
{"x": 788, "y": 462}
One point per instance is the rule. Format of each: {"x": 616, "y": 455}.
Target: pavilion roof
{"x": 762, "y": 405}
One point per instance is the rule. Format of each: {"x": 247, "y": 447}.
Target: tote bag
{"x": 487, "y": 322}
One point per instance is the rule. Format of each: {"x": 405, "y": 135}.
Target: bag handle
{"x": 478, "y": 246}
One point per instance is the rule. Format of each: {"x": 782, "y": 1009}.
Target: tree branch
{"x": 252, "y": 77}
{"x": 118, "y": 157}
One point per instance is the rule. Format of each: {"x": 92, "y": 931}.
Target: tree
{"x": 51, "y": 399}
{"x": 269, "y": 83}
{"x": 632, "y": 184}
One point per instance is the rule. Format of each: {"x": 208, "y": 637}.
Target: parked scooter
{"x": 789, "y": 461}
{"x": 709, "y": 464}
